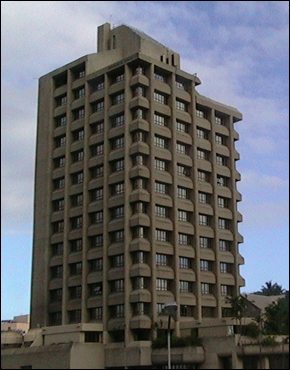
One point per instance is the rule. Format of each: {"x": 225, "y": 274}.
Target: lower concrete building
{"x": 213, "y": 345}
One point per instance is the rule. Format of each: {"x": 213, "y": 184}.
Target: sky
{"x": 239, "y": 50}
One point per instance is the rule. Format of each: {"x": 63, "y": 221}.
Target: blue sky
{"x": 239, "y": 49}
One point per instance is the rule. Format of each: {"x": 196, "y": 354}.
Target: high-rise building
{"x": 135, "y": 193}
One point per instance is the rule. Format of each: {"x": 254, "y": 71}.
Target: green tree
{"x": 271, "y": 289}
{"x": 277, "y": 317}
{"x": 238, "y": 306}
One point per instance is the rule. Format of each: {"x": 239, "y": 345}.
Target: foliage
{"x": 271, "y": 289}
{"x": 277, "y": 317}
{"x": 188, "y": 341}
{"x": 269, "y": 340}
{"x": 252, "y": 330}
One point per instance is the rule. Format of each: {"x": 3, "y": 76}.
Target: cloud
{"x": 40, "y": 36}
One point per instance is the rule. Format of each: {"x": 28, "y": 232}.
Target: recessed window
{"x": 161, "y": 235}
{"x": 202, "y": 134}
{"x": 183, "y": 239}
{"x": 218, "y": 121}
{"x": 60, "y": 141}
{"x": 159, "y": 77}
{"x": 159, "y": 98}
{"x": 97, "y": 194}
{"x": 97, "y": 217}
{"x": 180, "y": 85}
{"x": 182, "y": 193}
{"x": 96, "y": 313}
{"x": 162, "y": 284}
{"x": 202, "y": 154}
{"x": 118, "y": 212}
{"x": 180, "y": 105}
{"x": 186, "y": 311}
{"x": 222, "y": 202}
{"x": 95, "y": 289}
{"x": 118, "y": 120}
{"x": 117, "y": 99}
{"x": 75, "y": 292}
{"x": 119, "y": 165}
{"x": 79, "y": 113}
{"x": 203, "y": 198}
{"x": 59, "y": 162}
{"x": 225, "y": 267}
{"x": 204, "y": 242}
{"x": 57, "y": 249}
{"x": 161, "y": 211}
{"x": 117, "y": 236}
{"x": 76, "y": 245}
{"x": 57, "y": 271}
{"x": 183, "y": 170}
{"x": 221, "y": 180}
{"x": 78, "y": 156}
{"x": 183, "y": 216}
{"x": 77, "y": 178}
{"x": 224, "y": 245}
{"x": 60, "y": 120}
{"x": 160, "y": 141}
{"x": 203, "y": 220}
{"x": 58, "y": 226}
{"x": 160, "y": 165}
{"x": 118, "y": 143}
{"x": 185, "y": 286}
{"x": 205, "y": 265}
{"x": 205, "y": 288}
{"x": 160, "y": 188}
{"x": 203, "y": 176}
{"x": 117, "y": 285}
{"x": 97, "y": 84}
{"x": 118, "y": 188}
{"x": 219, "y": 139}
{"x": 55, "y": 295}
{"x": 78, "y": 135}
{"x": 58, "y": 205}
{"x": 181, "y": 127}
{"x": 226, "y": 290}
{"x": 159, "y": 120}
{"x": 97, "y": 128}
{"x": 118, "y": 261}
{"x": 61, "y": 100}
{"x": 75, "y": 268}
{"x": 184, "y": 263}
{"x": 161, "y": 259}
{"x": 97, "y": 171}
{"x": 77, "y": 222}
{"x": 139, "y": 207}
{"x": 181, "y": 148}
{"x": 223, "y": 223}
{"x": 59, "y": 183}
{"x": 221, "y": 160}
{"x": 98, "y": 106}
{"x": 96, "y": 241}
{"x": 79, "y": 93}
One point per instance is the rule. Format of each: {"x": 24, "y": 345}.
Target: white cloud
{"x": 42, "y": 35}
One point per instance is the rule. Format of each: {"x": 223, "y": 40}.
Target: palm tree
{"x": 271, "y": 289}
{"x": 239, "y": 306}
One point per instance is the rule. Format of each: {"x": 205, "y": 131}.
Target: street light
{"x": 170, "y": 309}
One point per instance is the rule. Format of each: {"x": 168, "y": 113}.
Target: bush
{"x": 176, "y": 342}
{"x": 252, "y": 330}
{"x": 269, "y": 340}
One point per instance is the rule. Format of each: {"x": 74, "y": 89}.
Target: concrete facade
{"x": 135, "y": 198}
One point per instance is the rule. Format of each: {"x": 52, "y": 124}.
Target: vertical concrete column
{"x": 106, "y": 240}
{"x": 175, "y": 203}
{"x": 195, "y": 241}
